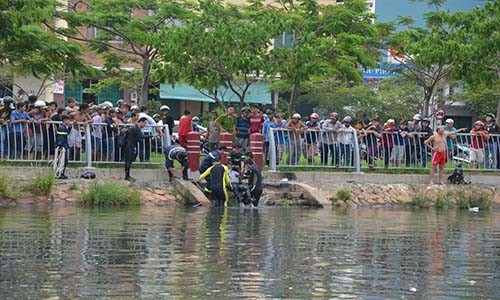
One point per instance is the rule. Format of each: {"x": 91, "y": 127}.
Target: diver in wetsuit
{"x": 220, "y": 182}
{"x": 176, "y": 152}
{"x": 207, "y": 162}
{"x": 254, "y": 181}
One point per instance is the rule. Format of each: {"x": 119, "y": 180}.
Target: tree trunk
{"x": 498, "y": 112}
{"x": 293, "y": 99}
{"x": 427, "y": 101}
{"x": 146, "y": 69}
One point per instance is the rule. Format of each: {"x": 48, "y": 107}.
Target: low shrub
{"x": 421, "y": 199}
{"x": 73, "y": 187}
{"x": 442, "y": 200}
{"x": 342, "y": 194}
{"x": 8, "y": 190}
{"x": 474, "y": 198}
{"x": 42, "y": 183}
{"x": 111, "y": 193}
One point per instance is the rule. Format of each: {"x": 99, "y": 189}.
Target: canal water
{"x": 278, "y": 253}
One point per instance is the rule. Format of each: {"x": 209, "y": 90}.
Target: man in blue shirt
{"x": 243, "y": 129}
{"x": 18, "y": 119}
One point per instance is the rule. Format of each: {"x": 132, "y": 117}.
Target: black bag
{"x": 88, "y": 175}
{"x": 121, "y": 141}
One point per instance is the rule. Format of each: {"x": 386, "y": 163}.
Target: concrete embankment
{"x": 298, "y": 188}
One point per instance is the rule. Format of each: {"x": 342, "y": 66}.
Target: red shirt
{"x": 256, "y": 122}
{"x": 477, "y": 141}
{"x": 185, "y": 125}
{"x": 388, "y": 136}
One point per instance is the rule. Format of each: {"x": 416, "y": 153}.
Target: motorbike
{"x": 461, "y": 153}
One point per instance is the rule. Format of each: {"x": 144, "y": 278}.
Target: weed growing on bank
{"x": 181, "y": 196}
{"x": 8, "y": 190}
{"x": 42, "y": 183}
{"x": 111, "y": 193}
{"x": 342, "y": 194}
{"x": 474, "y": 198}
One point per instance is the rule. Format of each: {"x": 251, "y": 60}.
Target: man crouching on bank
{"x": 176, "y": 152}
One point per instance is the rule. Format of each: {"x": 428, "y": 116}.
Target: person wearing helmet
{"x": 346, "y": 135}
{"x": 157, "y": 119}
{"x": 167, "y": 119}
{"x": 492, "y": 145}
{"x": 6, "y": 108}
{"x": 175, "y": 152}
{"x": 243, "y": 128}
{"x": 424, "y": 133}
{"x": 311, "y": 137}
{"x": 196, "y": 124}
{"x": 37, "y": 129}
{"x": 479, "y": 136}
{"x": 329, "y": 143}
{"x": 296, "y": 127}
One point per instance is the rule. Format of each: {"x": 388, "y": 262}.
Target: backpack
{"x": 122, "y": 137}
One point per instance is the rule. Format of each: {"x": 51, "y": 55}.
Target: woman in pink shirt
{"x": 185, "y": 126}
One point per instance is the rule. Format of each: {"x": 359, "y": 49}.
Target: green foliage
{"x": 421, "y": 199}
{"x": 223, "y": 48}
{"x": 474, "y": 198}
{"x": 42, "y": 183}
{"x": 342, "y": 194}
{"x": 111, "y": 193}
{"x": 442, "y": 200}
{"x": 73, "y": 187}
{"x": 8, "y": 189}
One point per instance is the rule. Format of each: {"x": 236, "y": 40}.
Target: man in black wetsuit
{"x": 176, "y": 152}
{"x": 219, "y": 183}
{"x": 134, "y": 135}
{"x": 206, "y": 163}
{"x": 254, "y": 181}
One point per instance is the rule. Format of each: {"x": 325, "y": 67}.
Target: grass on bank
{"x": 8, "y": 188}
{"x": 342, "y": 194}
{"x": 462, "y": 198}
{"x": 110, "y": 193}
{"x": 42, "y": 183}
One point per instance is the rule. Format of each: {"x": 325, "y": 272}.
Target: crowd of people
{"x": 25, "y": 128}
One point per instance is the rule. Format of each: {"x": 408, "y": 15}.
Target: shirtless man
{"x": 438, "y": 148}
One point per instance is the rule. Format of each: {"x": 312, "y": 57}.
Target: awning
{"x": 257, "y": 93}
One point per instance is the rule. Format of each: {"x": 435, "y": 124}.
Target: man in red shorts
{"x": 438, "y": 152}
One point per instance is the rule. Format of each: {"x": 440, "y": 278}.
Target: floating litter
{"x": 413, "y": 289}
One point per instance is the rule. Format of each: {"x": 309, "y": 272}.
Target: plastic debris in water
{"x": 413, "y": 289}
{"x": 474, "y": 209}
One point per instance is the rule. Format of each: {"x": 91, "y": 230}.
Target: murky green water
{"x": 172, "y": 253}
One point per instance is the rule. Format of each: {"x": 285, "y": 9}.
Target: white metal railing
{"x": 88, "y": 143}
{"x": 391, "y": 150}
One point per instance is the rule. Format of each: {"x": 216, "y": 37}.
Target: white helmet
{"x": 135, "y": 107}
{"x": 164, "y": 107}
{"x": 296, "y": 116}
{"x": 450, "y": 121}
{"x": 40, "y": 104}
{"x": 417, "y": 117}
{"x": 108, "y": 104}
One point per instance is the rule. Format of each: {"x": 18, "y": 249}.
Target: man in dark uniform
{"x": 62, "y": 141}
{"x": 167, "y": 119}
{"x": 176, "y": 152}
{"x": 134, "y": 135}
{"x": 209, "y": 159}
{"x": 236, "y": 158}
{"x": 6, "y": 108}
{"x": 220, "y": 182}
{"x": 254, "y": 181}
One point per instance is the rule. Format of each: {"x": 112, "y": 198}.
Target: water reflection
{"x": 243, "y": 253}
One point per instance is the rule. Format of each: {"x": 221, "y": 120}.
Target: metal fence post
{"x": 88, "y": 145}
{"x": 357, "y": 162}
{"x": 167, "y": 141}
{"x": 272, "y": 150}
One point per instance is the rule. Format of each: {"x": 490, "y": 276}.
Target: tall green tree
{"x": 223, "y": 48}
{"x": 478, "y": 55}
{"x": 329, "y": 41}
{"x": 123, "y": 31}
{"x": 426, "y": 55}
{"x": 27, "y": 48}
